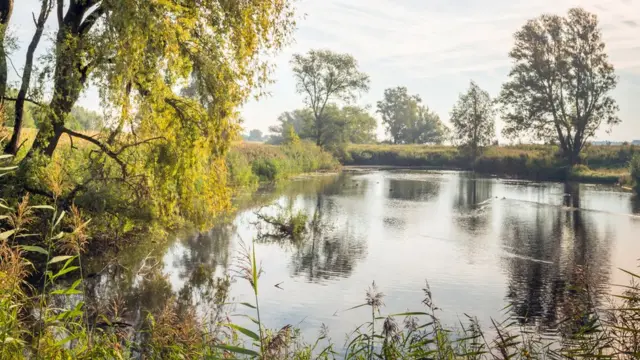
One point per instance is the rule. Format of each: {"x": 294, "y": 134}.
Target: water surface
{"x": 481, "y": 243}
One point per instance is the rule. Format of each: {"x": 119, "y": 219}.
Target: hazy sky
{"x": 433, "y": 47}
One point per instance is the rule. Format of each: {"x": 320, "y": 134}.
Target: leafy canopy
{"x": 323, "y": 76}
{"x": 473, "y": 118}
{"x": 407, "y": 121}
{"x": 164, "y": 144}
{"x": 559, "y": 85}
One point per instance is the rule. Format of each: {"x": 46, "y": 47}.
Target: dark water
{"x": 482, "y": 244}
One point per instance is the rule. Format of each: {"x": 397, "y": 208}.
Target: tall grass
{"x": 601, "y": 164}
{"x": 250, "y": 163}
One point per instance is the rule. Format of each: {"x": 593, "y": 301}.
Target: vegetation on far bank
{"x": 600, "y": 164}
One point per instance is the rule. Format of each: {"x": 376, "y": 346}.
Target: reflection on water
{"x": 482, "y": 244}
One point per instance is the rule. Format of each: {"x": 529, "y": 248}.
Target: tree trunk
{"x": 6, "y": 9}
{"x": 12, "y": 145}
{"x": 69, "y": 80}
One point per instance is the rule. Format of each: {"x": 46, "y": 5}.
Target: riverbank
{"x": 601, "y": 164}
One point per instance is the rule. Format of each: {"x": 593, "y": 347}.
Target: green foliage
{"x": 9, "y": 112}
{"x": 323, "y": 76}
{"x": 560, "y": 83}
{"x": 634, "y": 169}
{"x": 84, "y": 119}
{"x": 240, "y": 171}
{"x": 298, "y": 119}
{"x": 407, "y": 121}
{"x": 249, "y": 163}
{"x": 473, "y": 119}
{"x": 287, "y": 223}
{"x": 607, "y": 163}
{"x": 340, "y": 126}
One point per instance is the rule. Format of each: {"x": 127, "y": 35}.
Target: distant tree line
{"x": 557, "y": 92}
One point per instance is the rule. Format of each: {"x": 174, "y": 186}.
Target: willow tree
{"x": 473, "y": 119}
{"x": 559, "y": 86}
{"x": 138, "y": 53}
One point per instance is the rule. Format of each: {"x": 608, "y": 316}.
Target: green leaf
{"x": 59, "y": 219}
{"x": 60, "y": 258}
{"x": 237, "y": 350}
{"x": 5, "y": 156}
{"x": 66, "y": 292}
{"x": 8, "y": 168}
{"x": 36, "y": 249}
{"x": 59, "y": 236}
{"x": 45, "y": 207}
{"x": 64, "y": 271}
{"x": 245, "y": 331}
{"x": 5, "y": 235}
{"x": 5, "y": 206}
{"x": 247, "y": 305}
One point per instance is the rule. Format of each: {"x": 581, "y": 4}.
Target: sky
{"x": 433, "y": 47}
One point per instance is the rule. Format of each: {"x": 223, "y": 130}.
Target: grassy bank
{"x": 251, "y": 163}
{"x": 601, "y": 164}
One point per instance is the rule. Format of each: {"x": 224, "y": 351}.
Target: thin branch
{"x": 105, "y": 149}
{"x": 59, "y": 11}
{"x": 91, "y": 19}
{"x": 124, "y": 147}
{"x": 13, "y": 66}
{"x": 26, "y": 99}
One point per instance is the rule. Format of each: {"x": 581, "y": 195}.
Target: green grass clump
{"x": 249, "y": 163}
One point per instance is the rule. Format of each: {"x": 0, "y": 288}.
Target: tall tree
{"x": 46, "y": 7}
{"x": 560, "y": 83}
{"x": 323, "y": 76}
{"x": 473, "y": 119}
{"x": 407, "y": 121}
{"x": 425, "y": 128}
{"x": 6, "y": 10}
{"x": 396, "y": 110}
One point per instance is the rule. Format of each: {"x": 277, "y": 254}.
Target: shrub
{"x": 266, "y": 169}
{"x": 240, "y": 170}
{"x": 635, "y": 171}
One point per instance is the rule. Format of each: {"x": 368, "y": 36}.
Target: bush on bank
{"x": 250, "y": 163}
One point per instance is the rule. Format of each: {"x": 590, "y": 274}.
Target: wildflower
{"x": 374, "y": 297}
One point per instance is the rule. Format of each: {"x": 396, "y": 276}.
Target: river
{"x": 481, "y": 243}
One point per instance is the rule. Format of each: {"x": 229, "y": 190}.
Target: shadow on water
{"x": 412, "y": 190}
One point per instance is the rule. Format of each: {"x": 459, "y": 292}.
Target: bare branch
{"x": 91, "y": 19}
{"x": 26, "y": 99}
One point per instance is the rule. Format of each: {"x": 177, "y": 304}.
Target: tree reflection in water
{"x": 471, "y": 203}
{"x": 330, "y": 250}
{"x": 561, "y": 264}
